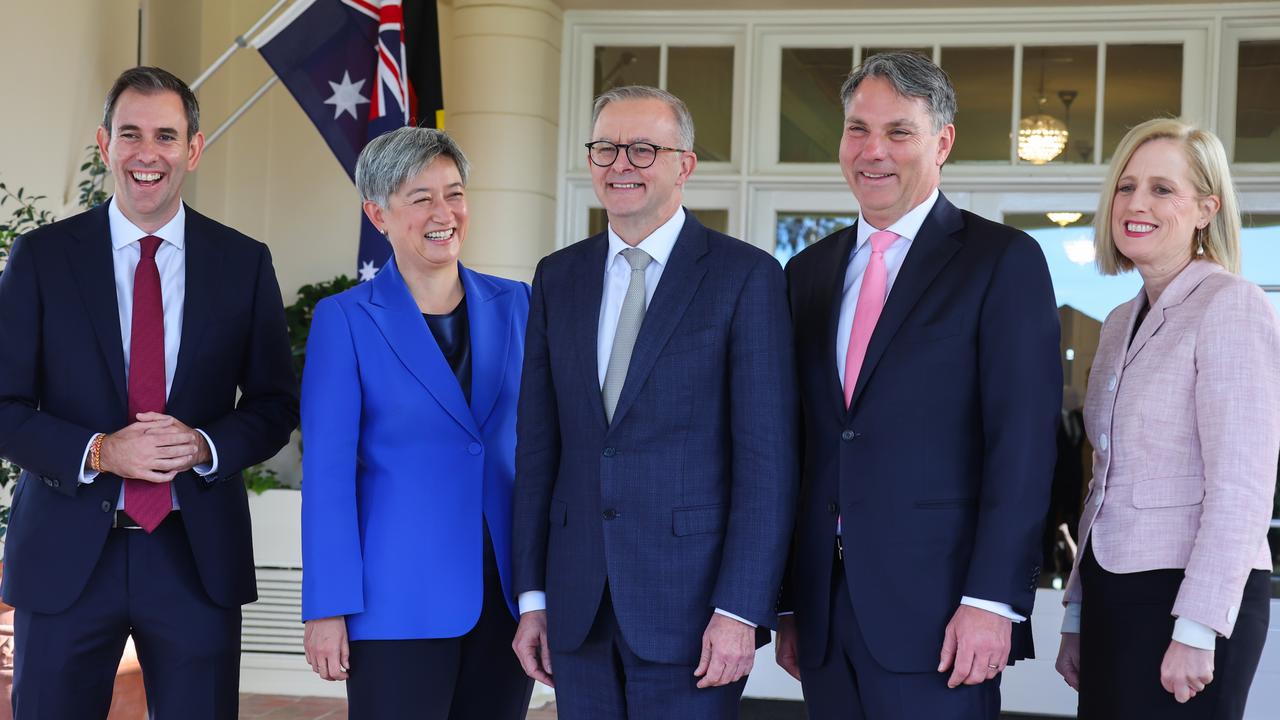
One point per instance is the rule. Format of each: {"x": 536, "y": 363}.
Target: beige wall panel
{"x": 60, "y": 57}
{"x": 510, "y": 232}
{"x": 504, "y": 74}
{"x": 508, "y": 152}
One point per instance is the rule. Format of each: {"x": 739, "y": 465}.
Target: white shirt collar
{"x": 907, "y": 226}
{"x": 659, "y": 244}
{"x": 124, "y": 232}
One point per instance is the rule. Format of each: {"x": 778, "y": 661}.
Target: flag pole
{"x": 239, "y": 43}
{"x": 226, "y": 125}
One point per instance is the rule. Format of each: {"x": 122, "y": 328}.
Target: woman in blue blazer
{"x": 408, "y": 415}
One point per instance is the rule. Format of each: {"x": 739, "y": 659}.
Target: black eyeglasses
{"x": 641, "y": 154}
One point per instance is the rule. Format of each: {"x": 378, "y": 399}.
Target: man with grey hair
{"x": 929, "y": 450}
{"x": 656, "y": 459}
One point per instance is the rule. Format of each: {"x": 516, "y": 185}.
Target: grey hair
{"x": 392, "y": 159}
{"x": 913, "y": 76}
{"x": 684, "y": 120}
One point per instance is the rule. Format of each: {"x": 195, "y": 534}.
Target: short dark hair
{"x": 912, "y": 75}
{"x": 148, "y": 81}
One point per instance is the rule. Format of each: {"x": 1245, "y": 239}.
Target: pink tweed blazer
{"x": 1185, "y": 426}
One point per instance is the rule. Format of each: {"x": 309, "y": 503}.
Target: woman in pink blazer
{"x": 1167, "y": 607}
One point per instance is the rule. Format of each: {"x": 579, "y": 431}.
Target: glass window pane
{"x": 1059, "y": 90}
{"x": 703, "y": 78}
{"x": 1143, "y": 82}
{"x": 618, "y": 66}
{"x": 797, "y": 230}
{"x": 811, "y": 114}
{"x": 1260, "y": 252}
{"x": 869, "y": 52}
{"x": 1257, "y": 102}
{"x": 983, "y": 78}
{"x": 715, "y": 218}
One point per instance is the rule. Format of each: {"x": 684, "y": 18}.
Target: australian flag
{"x": 345, "y": 63}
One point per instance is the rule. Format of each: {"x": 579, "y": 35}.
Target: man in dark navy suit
{"x": 656, "y": 442}
{"x": 144, "y": 363}
{"x": 927, "y": 342}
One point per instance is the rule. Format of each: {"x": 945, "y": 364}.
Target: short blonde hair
{"x": 1210, "y": 175}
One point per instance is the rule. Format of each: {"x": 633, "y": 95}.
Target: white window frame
{"x": 1235, "y": 31}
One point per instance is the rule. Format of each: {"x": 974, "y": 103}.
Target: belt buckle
{"x": 122, "y": 521}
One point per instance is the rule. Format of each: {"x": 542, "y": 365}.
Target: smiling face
{"x": 425, "y": 218}
{"x": 1156, "y": 209}
{"x": 149, "y": 155}
{"x": 889, "y": 153}
{"x": 640, "y": 200}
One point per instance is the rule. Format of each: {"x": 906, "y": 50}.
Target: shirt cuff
{"x": 999, "y": 608}
{"x": 532, "y": 600}
{"x": 744, "y": 621}
{"x": 1071, "y": 618}
{"x": 87, "y": 474}
{"x": 211, "y": 468}
{"x": 1197, "y": 635}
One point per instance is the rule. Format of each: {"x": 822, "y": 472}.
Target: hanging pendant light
{"x": 1041, "y": 137}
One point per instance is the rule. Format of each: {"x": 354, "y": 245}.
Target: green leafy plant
{"x": 299, "y": 314}
{"x": 260, "y": 478}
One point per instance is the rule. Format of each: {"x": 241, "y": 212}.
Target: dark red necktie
{"x": 146, "y": 502}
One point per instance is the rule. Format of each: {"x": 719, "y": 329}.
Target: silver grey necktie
{"x": 624, "y": 340}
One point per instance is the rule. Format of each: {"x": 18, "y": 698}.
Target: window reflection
{"x": 810, "y": 110}
{"x": 703, "y": 78}
{"x": 1059, "y": 88}
{"x": 619, "y": 66}
{"x": 983, "y": 78}
{"x": 1143, "y": 82}
{"x": 1257, "y": 102}
{"x": 796, "y": 231}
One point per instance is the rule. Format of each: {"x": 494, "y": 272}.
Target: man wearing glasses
{"x": 656, "y": 456}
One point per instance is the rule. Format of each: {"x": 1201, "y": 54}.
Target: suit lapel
{"x": 1177, "y": 291}
{"x": 589, "y": 291}
{"x": 400, "y": 321}
{"x": 832, "y": 283}
{"x": 933, "y": 247}
{"x": 94, "y": 269}
{"x": 489, "y": 317}
{"x": 680, "y": 280}
{"x": 204, "y": 257}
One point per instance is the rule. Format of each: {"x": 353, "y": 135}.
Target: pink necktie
{"x": 870, "y": 303}
{"x": 146, "y": 502}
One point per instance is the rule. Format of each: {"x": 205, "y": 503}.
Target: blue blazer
{"x": 62, "y": 379}
{"x": 683, "y": 503}
{"x": 398, "y": 471}
{"x": 941, "y": 466}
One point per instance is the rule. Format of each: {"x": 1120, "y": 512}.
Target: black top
{"x": 452, "y": 334}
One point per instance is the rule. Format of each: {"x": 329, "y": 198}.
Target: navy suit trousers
{"x": 145, "y": 586}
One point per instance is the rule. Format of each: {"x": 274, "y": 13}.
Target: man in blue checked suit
{"x": 656, "y": 463}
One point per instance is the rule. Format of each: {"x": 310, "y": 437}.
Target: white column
{"x": 503, "y": 83}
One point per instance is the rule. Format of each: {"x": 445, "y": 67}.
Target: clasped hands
{"x": 728, "y": 650}
{"x": 155, "y": 448}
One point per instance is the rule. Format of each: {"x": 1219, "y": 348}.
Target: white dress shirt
{"x": 617, "y": 277}
{"x": 171, "y": 261}
{"x": 907, "y": 227}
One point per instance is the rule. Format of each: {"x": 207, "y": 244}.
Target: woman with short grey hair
{"x": 409, "y": 411}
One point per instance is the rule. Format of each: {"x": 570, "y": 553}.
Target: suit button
{"x": 610, "y": 452}
{"x": 51, "y": 482}
{"x": 474, "y": 448}
{"x": 106, "y": 506}
{"x": 833, "y": 508}
{"x": 1103, "y": 442}
{"x": 848, "y": 435}
{"x": 610, "y": 514}
{"x": 1111, "y": 383}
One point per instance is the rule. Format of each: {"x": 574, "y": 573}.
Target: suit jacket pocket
{"x": 699, "y": 520}
{"x": 559, "y": 513}
{"x": 1169, "y": 492}
{"x": 942, "y": 503}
